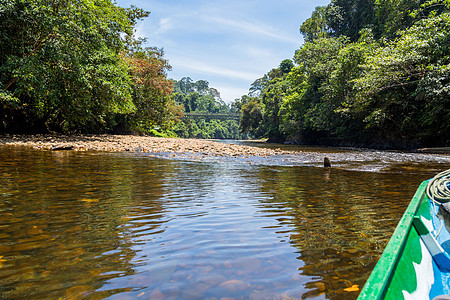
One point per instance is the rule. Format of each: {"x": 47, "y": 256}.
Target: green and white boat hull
{"x": 415, "y": 263}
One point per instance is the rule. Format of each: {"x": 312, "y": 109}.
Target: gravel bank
{"x": 136, "y": 144}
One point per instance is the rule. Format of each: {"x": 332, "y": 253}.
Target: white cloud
{"x": 259, "y": 53}
{"x": 230, "y": 93}
{"x": 140, "y": 31}
{"x": 165, "y": 24}
{"x": 208, "y": 68}
{"x": 252, "y": 28}
{"x": 229, "y": 43}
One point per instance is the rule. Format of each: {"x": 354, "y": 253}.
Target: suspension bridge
{"x": 211, "y": 116}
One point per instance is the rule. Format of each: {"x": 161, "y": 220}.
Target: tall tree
{"x": 348, "y": 17}
{"x": 60, "y": 65}
{"x": 150, "y": 92}
{"x": 406, "y": 83}
{"x": 198, "y": 96}
{"x": 316, "y": 26}
{"x": 74, "y": 65}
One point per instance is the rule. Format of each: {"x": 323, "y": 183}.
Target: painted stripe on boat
{"x": 424, "y": 275}
{"x": 424, "y": 228}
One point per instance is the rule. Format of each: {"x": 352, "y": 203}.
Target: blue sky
{"x": 229, "y": 43}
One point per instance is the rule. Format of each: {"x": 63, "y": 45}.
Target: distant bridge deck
{"x": 211, "y": 116}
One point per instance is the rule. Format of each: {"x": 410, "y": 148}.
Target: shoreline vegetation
{"x": 148, "y": 144}
{"x": 369, "y": 73}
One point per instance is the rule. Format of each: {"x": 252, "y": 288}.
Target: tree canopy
{"x": 372, "y": 73}
{"x": 71, "y": 66}
{"x": 198, "y": 97}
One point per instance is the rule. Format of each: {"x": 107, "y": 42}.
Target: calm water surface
{"x": 129, "y": 226}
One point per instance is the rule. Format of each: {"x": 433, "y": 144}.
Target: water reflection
{"x": 62, "y": 217}
{"x": 96, "y": 225}
{"x": 339, "y": 221}
{"x": 216, "y": 243}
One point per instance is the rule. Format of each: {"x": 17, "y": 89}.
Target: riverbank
{"x": 441, "y": 150}
{"x": 114, "y": 143}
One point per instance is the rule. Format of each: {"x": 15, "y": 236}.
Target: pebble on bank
{"x": 136, "y": 144}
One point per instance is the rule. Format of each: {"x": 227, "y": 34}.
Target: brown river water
{"x": 93, "y": 225}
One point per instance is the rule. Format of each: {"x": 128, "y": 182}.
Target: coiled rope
{"x": 438, "y": 188}
{"x": 438, "y": 191}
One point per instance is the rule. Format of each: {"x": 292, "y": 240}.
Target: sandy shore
{"x": 136, "y": 144}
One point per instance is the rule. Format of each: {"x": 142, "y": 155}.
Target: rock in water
{"x": 64, "y": 147}
{"x": 327, "y": 162}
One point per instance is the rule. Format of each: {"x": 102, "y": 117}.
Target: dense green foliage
{"x": 373, "y": 73}
{"x": 198, "y": 98}
{"x": 209, "y": 129}
{"x": 71, "y": 66}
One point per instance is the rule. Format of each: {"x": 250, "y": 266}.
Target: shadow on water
{"x": 103, "y": 225}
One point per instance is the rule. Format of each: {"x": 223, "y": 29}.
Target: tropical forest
{"x": 372, "y": 73}
{"x": 224, "y": 149}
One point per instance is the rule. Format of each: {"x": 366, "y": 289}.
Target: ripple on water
{"x": 349, "y": 159}
{"x": 128, "y": 225}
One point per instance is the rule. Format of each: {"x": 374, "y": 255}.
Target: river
{"x": 99, "y": 225}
